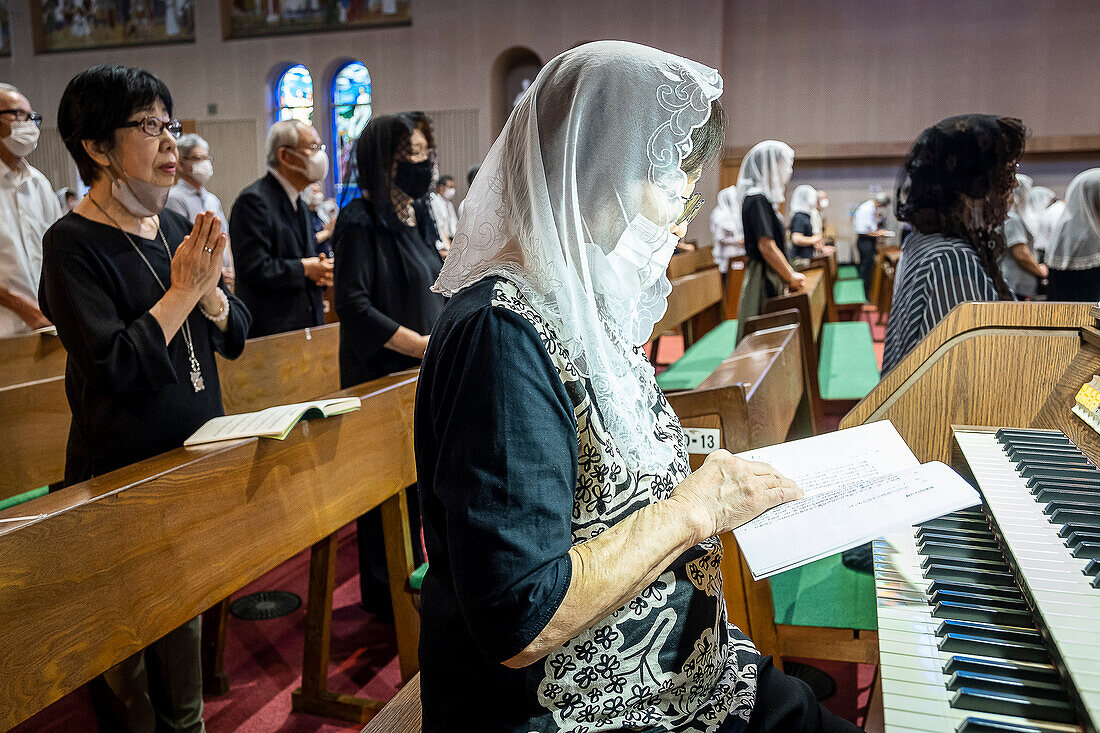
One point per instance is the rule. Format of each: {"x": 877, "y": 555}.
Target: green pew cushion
{"x": 849, "y": 292}
{"x": 825, "y": 593}
{"x": 700, "y": 361}
{"x": 25, "y": 496}
{"x": 847, "y": 272}
{"x": 849, "y": 367}
{"x": 417, "y": 578}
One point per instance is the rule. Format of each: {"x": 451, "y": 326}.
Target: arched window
{"x": 294, "y": 95}
{"x": 351, "y": 109}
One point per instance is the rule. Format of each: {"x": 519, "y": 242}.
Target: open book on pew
{"x": 860, "y": 484}
{"x": 274, "y": 422}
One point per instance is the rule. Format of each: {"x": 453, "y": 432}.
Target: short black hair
{"x": 707, "y": 141}
{"x": 471, "y": 174}
{"x": 445, "y": 179}
{"x": 97, "y": 101}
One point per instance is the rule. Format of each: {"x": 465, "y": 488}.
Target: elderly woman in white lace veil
{"x": 574, "y": 580}
{"x": 1074, "y": 250}
{"x": 725, "y": 227}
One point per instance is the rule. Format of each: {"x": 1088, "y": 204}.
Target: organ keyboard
{"x": 988, "y": 617}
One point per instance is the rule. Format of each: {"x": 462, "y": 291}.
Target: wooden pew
{"x": 287, "y": 367}
{"x": 685, "y": 263}
{"x": 402, "y": 713}
{"x": 882, "y": 284}
{"x": 694, "y": 306}
{"x": 102, "y": 575}
{"x": 31, "y": 358}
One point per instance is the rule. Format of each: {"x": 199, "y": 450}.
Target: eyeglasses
{"x": 692, "y": 205}
{"x": 154, "y": 126}
{"x": 22, "y": 115}
{"x": 315, "y": 148}
{"x": 190, "y": 159}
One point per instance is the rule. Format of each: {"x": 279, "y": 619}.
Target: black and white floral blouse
{"x": 514, "y": 468}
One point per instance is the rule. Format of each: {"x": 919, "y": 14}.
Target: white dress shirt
{"x": 189, "y": 202}
{"x": 865, "y": 220}
{"x": 28, "y": 207}
{"x": 443, "y": 211}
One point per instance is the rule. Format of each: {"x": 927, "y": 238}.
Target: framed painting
{"x": 5, "y": 29}
{"x": 75, "y": 25}
{"x": 252, "y": 18}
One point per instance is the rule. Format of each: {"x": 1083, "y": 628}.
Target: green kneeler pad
{"x": 25, "y": 496}
{"x": 849, "y": 367}
{"x": 847, "y": 272}
{"x": 849, "y": 292}
{"x": 825, "y": 593}
{"x": 700, "y": 361}
{"x": 417, "y": 578}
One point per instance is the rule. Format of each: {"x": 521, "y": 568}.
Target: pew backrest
{"x": 695, "y": 305}
{"x": 31, "y": 358}
{"x": 685, "y": 263}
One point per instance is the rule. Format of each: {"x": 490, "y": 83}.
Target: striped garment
{"x": 936, "y": 274}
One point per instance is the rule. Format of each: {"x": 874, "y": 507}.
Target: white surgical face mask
{"x": 449, "y": 193}
{"x": 316, "y": 199}
{"x": 316, "y": 166}
{"x": 824, "y": 203}
{"x": 23, "y": 139}
{"x": 202, "y": 171}
{"x": 642, "y": 253}
{"x": 140, "y": 198}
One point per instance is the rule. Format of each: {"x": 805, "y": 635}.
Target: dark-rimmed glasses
{"x": 22, "y": 115}
{"x": 154, "y": 126}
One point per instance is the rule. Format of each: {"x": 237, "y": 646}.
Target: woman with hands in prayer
{"x": 135, "y": 292}
{"x": 575, "y": 569}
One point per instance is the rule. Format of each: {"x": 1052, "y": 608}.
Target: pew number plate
{"x": 703, "y": 441}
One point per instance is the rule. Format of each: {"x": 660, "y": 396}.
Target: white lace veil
{"x": 593, "y": 146}
{"x": 766, "y": 169}
{"x": 1037, "y": 202}
{"x": 1075, "y": 243}
{"x": 804, "y": 200}
{"x": 1021, "y": 198}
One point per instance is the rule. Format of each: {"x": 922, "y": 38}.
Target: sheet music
{"x": 860, "y": 484}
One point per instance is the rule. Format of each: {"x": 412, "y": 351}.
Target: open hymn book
{"x": 860, "y": 483}
{"x": 274, "y": 422}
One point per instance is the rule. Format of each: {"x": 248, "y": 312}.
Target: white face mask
{"x": 202, "y": 171}
{"x": 140, "y": 198}
{"x": 449, "y": 193}
{"x": 316, "y": 166}
{"x": 316, "y": 199}
{"x": 824, "y": 204}
{"x": 23, "y": 139}
{"x": 643, "y": 252}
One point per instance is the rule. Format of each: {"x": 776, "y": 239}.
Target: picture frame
{"x": 259, "y": 18}
{"x": 78, "y": 25}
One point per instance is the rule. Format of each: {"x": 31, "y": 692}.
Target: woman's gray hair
{"x": 283, "y": 134}
{"x": 189, "y": 142}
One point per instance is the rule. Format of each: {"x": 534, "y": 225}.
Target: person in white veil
{"x": 1074, "y": 250}
{"x": 575, "y": 577}
{"x": 1019, "y": 266}
{"x": 764, "y": 174}
{"x": 805, "y": 242}
{"x": 725, "y": 227}
{"x": 1038, "y": 202}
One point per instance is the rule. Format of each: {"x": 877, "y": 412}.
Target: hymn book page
{"x": 859, "y": 484}
{"x": 274, "y": 422}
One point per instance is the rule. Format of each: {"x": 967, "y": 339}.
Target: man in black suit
{"x": 279, "y": 277}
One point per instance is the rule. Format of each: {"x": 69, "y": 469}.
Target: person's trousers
{"x": 157, "y": 690}
{"x": 785, "y": 704}
{"x": 374, "y": 583}
{"x": 867, "y": 248}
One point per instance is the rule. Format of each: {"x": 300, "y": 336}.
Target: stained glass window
{"x": 351, "y": 109}
{"x": 294, "y": 95}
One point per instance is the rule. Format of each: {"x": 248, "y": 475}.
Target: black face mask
{"x": 413, "y": 178}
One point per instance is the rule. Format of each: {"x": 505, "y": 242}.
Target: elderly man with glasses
{"x": 279, "y": 275}
{"x": 28, "y": 207}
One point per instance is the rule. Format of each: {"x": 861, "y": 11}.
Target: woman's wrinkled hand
{"x": 197, "y": 263}
{"x": 728, "y": 491}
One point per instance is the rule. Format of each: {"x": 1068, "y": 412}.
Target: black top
{"x": 130, "y": 395}
{"x": 269, "y": 240}
{"x": 383, "y": 280}
{"x": 801, "y": 224}
{"x": 515, "y": 467}
{"x": 760, "y": 220}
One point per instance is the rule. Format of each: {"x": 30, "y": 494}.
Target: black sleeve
{"x": 117, "y": 356}
{"x": 354, "y": 244}
{"x": 230, "y": 344}
{"x": 250, "y": 231}
{"x": 801, "y": 224}
{"x": 757, "y": 216}
{"x": 507, "y": 446}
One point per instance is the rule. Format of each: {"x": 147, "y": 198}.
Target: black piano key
{"x": 966, "y": 537}
{"x": 1095, "y": 582}
{"x": 992, "y": 647}
{"x": 950, "y": 522}
{"x": 1010, "y": 634}
{"x": 981, "y": 613}
{"x": 1076, "y": 518}
{"x": 1038, "y": 452}
{"x": 985, "y": 725}
{"x": 1093, "y": 567}
{"x": 1047, "y": 495}
{"x": 1087, "y": 551}
{"x": 1031, "y": 435}
{"x": 1037, "y": 482}
{"x": 1021, "y": 706}
{"x": 973, "y": 576}
{"x": 1011, "y": 593}
{"x": 960, "y": 551}
{"x": 1037, "y": 671}
{"x": 1011, "y": 685}
{"x": 1087, "y": 509}
{"x": 1077, "y": 474}
{"x": 966, "y": 563}
{"x": 979, "y": 597}
{"x": 1054, "y": 461}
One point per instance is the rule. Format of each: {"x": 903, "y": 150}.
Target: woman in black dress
{"x": 136, "y": 296}
{"x": 386, "y": 262}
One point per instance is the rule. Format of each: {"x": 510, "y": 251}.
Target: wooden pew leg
{"x": 214, "y": 621}
{"x": 400, "y": 565}
{"x": 313, "y": 696}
